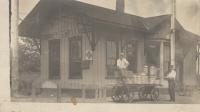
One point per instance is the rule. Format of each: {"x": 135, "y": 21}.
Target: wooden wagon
{"x": 127, "y": 86}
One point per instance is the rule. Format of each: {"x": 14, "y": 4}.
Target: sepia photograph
{"x": 105, "y": 51}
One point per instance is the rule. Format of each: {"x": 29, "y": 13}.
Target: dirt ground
{"x": 163, "y": 99}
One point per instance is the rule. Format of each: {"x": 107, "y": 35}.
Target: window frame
{"x": 134, "y": 70}
{"x": 116, "y": 42}
{"x": 49, "y": 66}
{"x": 71, "y": 76}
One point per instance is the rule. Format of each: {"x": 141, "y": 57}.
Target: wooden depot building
{"x": 80, "y": 44}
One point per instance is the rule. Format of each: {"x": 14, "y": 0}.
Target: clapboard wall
{"x": 63, "y": 26}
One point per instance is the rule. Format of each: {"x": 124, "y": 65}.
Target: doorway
{"x": 152, "y": 53}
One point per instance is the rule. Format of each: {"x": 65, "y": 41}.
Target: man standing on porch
{"x": 171, "y": 81}
{"x": 122, "y": 64}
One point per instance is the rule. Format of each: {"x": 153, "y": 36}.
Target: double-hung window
{"x": 111, "y": 57}
{"x": 54, "y": 59}
{"x": 75, "y": 58}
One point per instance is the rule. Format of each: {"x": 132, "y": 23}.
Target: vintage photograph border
{"x": 7, "y": 106}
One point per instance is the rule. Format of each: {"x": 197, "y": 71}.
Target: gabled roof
{"x": 47, "y": 7}
{"x": 160, "y": 26}
{"x": 152, "y": 22}
{"x": 32, "y": 24}
{"x": 104, "y": 14}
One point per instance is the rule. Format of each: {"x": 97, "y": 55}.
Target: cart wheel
{"x": 124, "y": 94}
{"x": 131, "y": 96}
{"x": 142, "y": 93}
{"x": 116, "y": 98}
{"x": 115, "y": 94}
{"x": 154, "y": 94}
{"x": 125, "y": 98}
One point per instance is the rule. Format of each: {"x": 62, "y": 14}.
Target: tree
{"x": 29, "y": 54}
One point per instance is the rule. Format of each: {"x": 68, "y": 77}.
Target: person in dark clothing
{"x": 171, "y": 81}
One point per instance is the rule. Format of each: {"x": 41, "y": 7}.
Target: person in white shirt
{"x": 171, "y": 81}
{"x": 122, "y": 64}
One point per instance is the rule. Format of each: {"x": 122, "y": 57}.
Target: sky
{"x": 188, "y": 11}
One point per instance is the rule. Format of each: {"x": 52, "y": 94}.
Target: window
{"x": 111, "y": 57}
{"x": 131, "y": 55}
{"x": 54, "y": 59}
{"x": 75, "y": 58}
{"x": 152, "y": 50}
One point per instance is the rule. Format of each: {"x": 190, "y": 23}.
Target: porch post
{"x": 161, "y": 61}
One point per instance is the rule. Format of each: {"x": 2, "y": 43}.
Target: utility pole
{"x": 172, "y": 38}
{"x": 14, "y": 50}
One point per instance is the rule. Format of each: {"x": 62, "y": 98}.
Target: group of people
{"x": 122, "y": 65}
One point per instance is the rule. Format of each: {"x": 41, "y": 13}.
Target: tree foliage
{"x": 29, "y": 54}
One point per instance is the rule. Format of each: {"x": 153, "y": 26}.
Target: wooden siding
{"x": 140, "y": 56}
{"x": 189, "y": 74}
{"x": 65, "y": 27}
{"x": 44, "y": 59}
